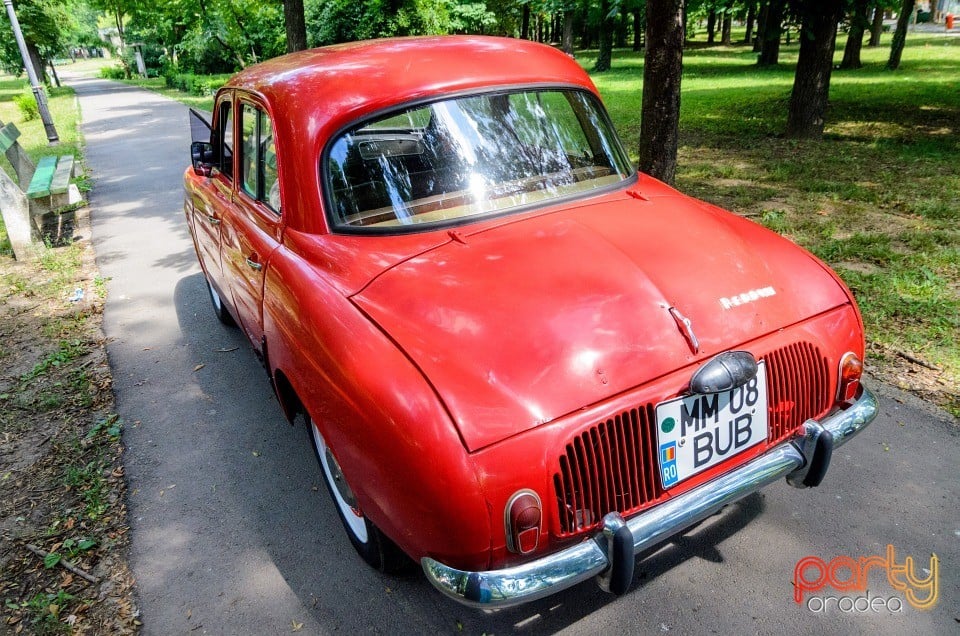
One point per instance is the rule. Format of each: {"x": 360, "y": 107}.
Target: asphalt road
{"x": 232, "y": 532}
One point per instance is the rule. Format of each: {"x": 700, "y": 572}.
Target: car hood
{"x": 524, "y": 322}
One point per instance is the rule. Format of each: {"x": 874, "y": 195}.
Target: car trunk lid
{"x": 521, "y": 323}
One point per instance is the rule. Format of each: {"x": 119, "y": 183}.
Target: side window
{"x": 226, "y": 138}
{"x": 248, "y": 159}
{"x": 259, "y": 159}
{"x": 271, "y": 184}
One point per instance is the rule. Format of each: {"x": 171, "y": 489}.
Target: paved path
{"x": 232, "y": 533}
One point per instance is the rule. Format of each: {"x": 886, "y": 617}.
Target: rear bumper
{"x": 803, "y": 460}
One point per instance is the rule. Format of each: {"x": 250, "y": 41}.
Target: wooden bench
{"x": 43, "y": 188}
{"x": 51, "y": 178}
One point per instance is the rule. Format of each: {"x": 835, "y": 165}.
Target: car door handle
{"x": 212, "y": 219}
{"x": 254, "y": 264}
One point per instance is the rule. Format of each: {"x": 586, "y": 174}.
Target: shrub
{"x": 113, "y": 72}
{"x": 27, "y": 105}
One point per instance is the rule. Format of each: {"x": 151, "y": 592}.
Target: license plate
{"x": 696, "y": 432}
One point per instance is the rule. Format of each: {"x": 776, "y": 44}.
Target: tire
{"x": 223, "y": 315}
{"x": 370, "y": 543}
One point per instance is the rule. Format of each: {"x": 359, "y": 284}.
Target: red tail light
{"x": 851, "y": 369}
{"x": 522, "y": 517}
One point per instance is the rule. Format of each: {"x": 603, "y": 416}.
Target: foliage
{"x": 114, "y": 72}
{"x": 44, "y": 24}
{"x": 199, "y": 85}
{"x": 28, "y": 106}
{"x": 346, "y": 20}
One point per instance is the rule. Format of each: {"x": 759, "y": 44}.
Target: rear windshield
{"x": 471, "y": 156}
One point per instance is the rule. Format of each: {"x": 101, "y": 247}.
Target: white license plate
{"x": 696, "y": 432}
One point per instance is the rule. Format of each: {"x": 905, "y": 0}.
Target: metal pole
{"x": 38, "y": 93}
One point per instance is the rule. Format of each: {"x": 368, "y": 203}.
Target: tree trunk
{"x": 761, "y": 26}
{"x": 751, "y": 19}
{"x": 37, "y": 62}
{"x": 725, "y": 29}
{"x": 586, "y": 36}
{"x": 811, "y": 84}
{"x": 662, "y": 70}
{"x": 770, "y": 47}
{"x": 567, "y": 44}
{"x": 296, "y": 26}
{"x": 637, "y": 30}
{"x": 858, "y": 24}
{"x": 53, "y": 72}
{"x": 525, "y": 22}
{"x": 900, "y": 35}
{"x": 876, "y": 29}
{"x": 622, "y": 27}
{"x": 711, "y": 26}
{"x": 607, "y": 27}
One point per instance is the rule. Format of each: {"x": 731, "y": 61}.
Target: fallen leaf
{"x": 296, "y": 627}
{"x": 256, "y": 453}
{"x": 199, "y": 366}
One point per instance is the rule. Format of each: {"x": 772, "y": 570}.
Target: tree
{"x": 296, "y": 25}
{"x": 607, "y": 27}
{"x": 811, "y": 84}
{"x": 727, "y": 23}
{"x": 858, "y": 24}
{"x": 44, "y": 24}
{"x": 876, "y": 27}
{"x": 770, "y": 33}
{"x": 900, "y": 35}
{"x": 751, "y": 20}
{"x": 662, "y": 70}
{"x": 117, "y": 10}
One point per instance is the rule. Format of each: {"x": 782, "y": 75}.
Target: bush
{"x": 113, "y": 72}
{"x": 200, "y": 85}
{"x": 27, "y": 105}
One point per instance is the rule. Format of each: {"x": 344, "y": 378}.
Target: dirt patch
{"x": 62, "y": 513}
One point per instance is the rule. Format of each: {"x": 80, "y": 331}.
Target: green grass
{"x": 878, "y": 198}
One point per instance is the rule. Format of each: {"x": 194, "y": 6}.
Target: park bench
{"x": 29, "y": 207}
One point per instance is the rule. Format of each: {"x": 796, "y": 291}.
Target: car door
{"x": 214, "y": 195}
{"x": 251, "y": 231}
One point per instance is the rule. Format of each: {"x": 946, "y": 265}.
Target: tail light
{"x": 522, "y": 517}
{"x": 851, "y": 369}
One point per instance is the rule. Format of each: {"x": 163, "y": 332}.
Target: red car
{"x": 520, "y": 362}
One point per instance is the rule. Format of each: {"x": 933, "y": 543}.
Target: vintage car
{"x": 520, "y": 362}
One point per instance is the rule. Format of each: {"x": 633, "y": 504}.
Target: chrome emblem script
{"x": 747, "y": 297}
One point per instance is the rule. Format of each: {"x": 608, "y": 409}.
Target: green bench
{"x": 51, "y": 177}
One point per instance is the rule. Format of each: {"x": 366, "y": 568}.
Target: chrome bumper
{"x": 595, "y": 556}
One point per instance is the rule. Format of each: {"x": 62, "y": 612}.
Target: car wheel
{"x": 371, "y": 544}
{"x": 221, "y": 312}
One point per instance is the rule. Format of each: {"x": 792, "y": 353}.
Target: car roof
{"x": 334, "y": 85}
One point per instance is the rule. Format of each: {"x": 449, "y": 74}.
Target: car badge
{"x": 686, "y": 328}
{"x": 747, "y": 297}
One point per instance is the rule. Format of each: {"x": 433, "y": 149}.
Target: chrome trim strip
{"x": 554, "y": 572}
